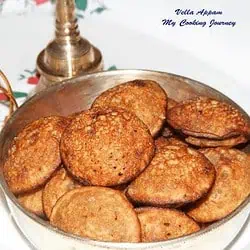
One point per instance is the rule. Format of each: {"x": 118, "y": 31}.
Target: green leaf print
{"x": 31, "y": 72}
{"x": 82, "y": 4}
{"x": 113, "y": 67}
{"x": 79, "y": 15}
{"x": 18, "y": 94}
{"x": 21, "y": 77}
{"x": 98, "y": 10}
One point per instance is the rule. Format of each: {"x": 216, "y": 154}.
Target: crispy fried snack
{"x": 98, "y": 213}
{"x": 34, "y": 154}
{"x": 145, "y": 98}
{"x": 177, "y": 175}
{"x": 159, "y": 224}
{"x": 231, "y": 187}
{"x": 106, "y": 147}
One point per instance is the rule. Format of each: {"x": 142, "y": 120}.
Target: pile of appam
{"x": 137, "y": 166}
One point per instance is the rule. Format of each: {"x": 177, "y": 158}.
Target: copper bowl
{"x": 77, "y": 94}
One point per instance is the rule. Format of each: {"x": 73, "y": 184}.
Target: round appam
{"x": 97, "y": 213}
{"x": 57, "y": 186}
{"x": 177, "y": 175}
{"x": 207, "y": 143}
{"x": 159, "y": 224}
{"x": 33, "y": 202}
{"x": 209, "y": 118}
{"x": 106, "y": 147}
{"x": 145, "y": 98}
{"x": 231, "y": 187}
{"x": 34, "y": 154}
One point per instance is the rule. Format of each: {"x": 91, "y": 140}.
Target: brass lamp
{"x": 68, "y": 54}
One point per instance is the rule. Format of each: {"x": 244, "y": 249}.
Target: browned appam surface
{"x": 106, "y": 146}
{"x": 177, "y": 175}
{"x": 98, "y": 213}
{"x": 205, "y": 117}
{"x": 159, "y": 224}
{"x": 161, "y": 142}
{"x": 171, "y": 103}
{"x": 231, "y": 188}
{"x": 204, "y": 143}
{"x": 145, "y": 98}
{"x": 58, "y": 185}
{"x": 33, "y": 202}
{"x": 34, "y": 154}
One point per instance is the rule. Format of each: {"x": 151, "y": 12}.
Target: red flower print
{"x": 33, "y": 80}
{"x": 40, "y": 1}
{"x": 3, "y": 97}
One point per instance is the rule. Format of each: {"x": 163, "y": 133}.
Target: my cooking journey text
{"x": 200, "y": 18}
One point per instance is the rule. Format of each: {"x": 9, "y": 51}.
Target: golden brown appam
{"x": 209, "y": 118}
{"x": 207, "y": 143}
{"x": 177, "y": 175}
{"x": 145, "y": 98}
{"x": 34, "y": 154}
{"x": 161, "y": 142}
{"x": 159, "y": 224}
{"x": 231, "y": 187}
{"x": 97, "y": 213}
{"x": 33, "y": 202}
{"x": 57, "y": 186}
{"x": 106, "y": 146}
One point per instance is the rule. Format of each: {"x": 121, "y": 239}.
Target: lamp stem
{"x": 67, "y": 30}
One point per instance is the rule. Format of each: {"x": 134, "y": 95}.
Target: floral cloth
{"x": 84, "y": 7}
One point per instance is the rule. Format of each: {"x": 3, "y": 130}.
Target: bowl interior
{"x": 78, "y": 93}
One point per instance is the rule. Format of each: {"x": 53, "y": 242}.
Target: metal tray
{"x": 77, "y": 94}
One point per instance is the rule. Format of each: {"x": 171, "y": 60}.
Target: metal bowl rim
{"x": 36, "y": 219}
